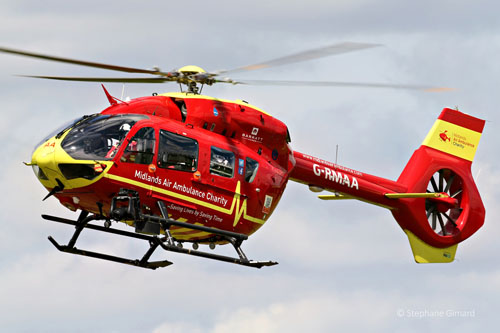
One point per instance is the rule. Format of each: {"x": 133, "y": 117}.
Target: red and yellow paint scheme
{"x": 190, "y": 168}
{"x": 239, "y": 196}
{"x": 435, "y": 186}
{"x": 225, "y": 165}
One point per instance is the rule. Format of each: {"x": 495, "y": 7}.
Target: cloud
{"x": 178, "y": 328}
{"x": 318, "y": 313}
{"x": 349, "y": 310}
{"x": 345, "y": 265}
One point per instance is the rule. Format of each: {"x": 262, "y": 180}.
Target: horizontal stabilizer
{"x": 414, "y": 195}
{"x": 334, "y": 197}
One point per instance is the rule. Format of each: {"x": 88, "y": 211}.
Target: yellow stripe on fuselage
{"x": 189, "y": 236}
{"x": 453, "y": 139}
{"x": 240, "y": 210}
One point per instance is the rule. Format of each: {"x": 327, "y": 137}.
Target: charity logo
{"x": 444, "y": 137}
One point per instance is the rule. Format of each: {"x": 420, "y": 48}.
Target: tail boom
{"x": 350, "y": 183}
{"x": 417, "y": 200}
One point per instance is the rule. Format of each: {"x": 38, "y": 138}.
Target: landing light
{"x": 315, "y": 189}
{"x": 39, "y": 172}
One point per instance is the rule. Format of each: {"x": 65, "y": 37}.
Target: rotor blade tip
{"x": 439, "y": 89}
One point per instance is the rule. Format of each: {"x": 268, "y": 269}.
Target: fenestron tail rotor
{"x": 442, "y": 217}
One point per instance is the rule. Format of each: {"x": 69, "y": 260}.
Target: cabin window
{"x": 177, "y": 152}
{"x": 222, "y": 162}
{"x": 251, "y": 169}
{"x": 141, "y": 148}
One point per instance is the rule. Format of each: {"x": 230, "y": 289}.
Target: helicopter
{"x": 184, "y": 168}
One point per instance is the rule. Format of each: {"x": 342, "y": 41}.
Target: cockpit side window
{"x": 251, "y": 170}
{"x": 141, "y": 148}
{"x": 177, "y": 152}
{"x": 221, "y": 162}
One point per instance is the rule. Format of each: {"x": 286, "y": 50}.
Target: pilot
{"x": 115, "y": 143}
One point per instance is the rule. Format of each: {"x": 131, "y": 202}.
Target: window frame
{"x": 137, "y": 152}
{"x": 159, "y": 160}
{"x": 254, "y": 173}
{"x": 221, "y": 152}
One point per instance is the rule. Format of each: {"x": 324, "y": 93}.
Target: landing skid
{"x": 167, "y": 242}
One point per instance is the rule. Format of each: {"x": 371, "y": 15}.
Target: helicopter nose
{"x": 57, "y": 170}
{"x": 44, "y": 164}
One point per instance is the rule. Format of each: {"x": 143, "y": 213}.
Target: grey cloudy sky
{"x": 343, "y": 265}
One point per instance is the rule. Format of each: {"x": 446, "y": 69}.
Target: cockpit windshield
{"x": 99, "y": 137}
{"x": 59, "y": 130}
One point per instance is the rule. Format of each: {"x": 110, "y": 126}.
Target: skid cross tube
{"x": 167, "y": 243}
{"x": 80, "y": 225}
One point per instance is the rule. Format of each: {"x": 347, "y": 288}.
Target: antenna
{"x": 123, "y": 91}
{"x": 477, "y": 175}
{"x": 337, "y": 194}
{"x": 336, "y": 153}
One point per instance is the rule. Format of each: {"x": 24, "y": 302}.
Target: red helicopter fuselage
{"x": 216, "y": 163}
{"x": 185, "y": 167}
{"x": 224, "y": 165}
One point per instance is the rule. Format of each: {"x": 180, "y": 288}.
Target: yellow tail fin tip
{"x": 425, "y": 253}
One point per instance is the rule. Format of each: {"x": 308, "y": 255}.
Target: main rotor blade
{"x": 305, "y": 55}
{"x": 340, "y": 84}
{"x": 105, "y": 79}
{"x": 81, "y": 62}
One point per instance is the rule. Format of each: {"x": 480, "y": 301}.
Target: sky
{"x": 342, "y": 265}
